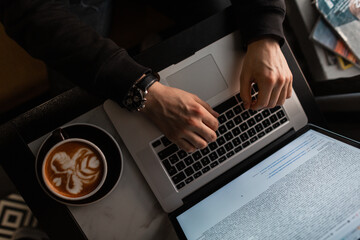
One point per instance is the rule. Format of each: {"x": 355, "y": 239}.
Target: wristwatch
{"x": 135, "y": 99}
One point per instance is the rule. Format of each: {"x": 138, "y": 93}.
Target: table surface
{"x": 131, "y": 210}
{"x": 131, "y": 205}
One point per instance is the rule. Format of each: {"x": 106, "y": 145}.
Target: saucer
{"x": 104, "y": 141}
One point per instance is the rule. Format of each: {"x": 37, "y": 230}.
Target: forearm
{"x": 52, "y": 34}
{"x": 259, "y": 18}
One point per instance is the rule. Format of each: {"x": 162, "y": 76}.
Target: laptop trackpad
{"x": 202, "y": 78}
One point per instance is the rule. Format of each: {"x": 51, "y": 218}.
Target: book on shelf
{"x": 334, "y": 59}
{"x": 324, "y": 35}
{"x": 344, "y": 64}
{"x": 344, "y": 17}
{"x": 330, "y": 57}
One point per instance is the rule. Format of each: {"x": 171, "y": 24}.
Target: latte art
{"x": 74, "y": 169}
{"x": 82, "y": 168}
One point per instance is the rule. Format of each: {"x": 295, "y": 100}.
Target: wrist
{"x": 153, "y": 92}
{"x": 264, "y": 42}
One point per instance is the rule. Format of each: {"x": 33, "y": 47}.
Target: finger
{"x": 211, "y": 122}
{"x": 264, "y": 94}
{"x": 289, "y": 91}
{"x": 262, "y": 100}
{"x": 206, "y": 133}
{"x": 185, "y": 145}
{"x": 195, "y": 140}
{"x": 282, "y": 96}
{"x": 245, "y": 89}
{"x": 208, "y": 116}
{"x": 275, "y": 94}
{"x": 207, "y": 107}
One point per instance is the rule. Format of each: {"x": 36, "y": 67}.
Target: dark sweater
{"x": 49, "y": 32}
{"x": 259, "y": 18}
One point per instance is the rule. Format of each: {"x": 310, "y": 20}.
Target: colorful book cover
{"x": 344, "y": 18}
{"x": 343, "y": 63}
{"x": 325, "y": 36}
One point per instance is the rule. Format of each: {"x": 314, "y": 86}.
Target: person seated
{"x": 51, "y": 33}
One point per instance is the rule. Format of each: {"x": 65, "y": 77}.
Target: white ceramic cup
{"x": 74, "y": 169}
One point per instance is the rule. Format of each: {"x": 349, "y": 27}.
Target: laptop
{"x": 173, "y": 174}
{"x": 306, "y": 187}
{"x": 269, "y": 174}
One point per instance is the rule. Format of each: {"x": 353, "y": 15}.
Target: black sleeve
{"x": 51, "y": 33}
{"x": 259, "y": 18}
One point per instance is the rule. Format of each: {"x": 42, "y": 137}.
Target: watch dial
{"x": 135, "y": 99}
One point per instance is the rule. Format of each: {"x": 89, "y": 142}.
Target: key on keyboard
{"x": 238, "y": 129}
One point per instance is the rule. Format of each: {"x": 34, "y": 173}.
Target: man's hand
{"x": 183, "y": 117}
{"x": 265, "y": 65}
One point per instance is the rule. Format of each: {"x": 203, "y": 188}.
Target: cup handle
{"x": 60, "y": 134}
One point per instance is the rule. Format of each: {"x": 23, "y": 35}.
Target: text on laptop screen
{"x": 309, "y": 189}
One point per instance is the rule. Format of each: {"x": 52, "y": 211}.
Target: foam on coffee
{"x": 73, "y": 169}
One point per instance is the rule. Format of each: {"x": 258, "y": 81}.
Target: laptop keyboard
{"x": 238, "y": 129}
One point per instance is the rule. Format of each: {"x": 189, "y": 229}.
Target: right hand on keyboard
{"x": 182, "y": 117}
{"x": 265, "y": 64}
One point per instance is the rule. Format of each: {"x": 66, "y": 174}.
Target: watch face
{"x": 135, "y": 100}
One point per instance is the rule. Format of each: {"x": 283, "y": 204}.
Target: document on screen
{"x": 309, "y": 189}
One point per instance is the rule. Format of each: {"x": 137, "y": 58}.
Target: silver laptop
{"x": 173, "y": 174}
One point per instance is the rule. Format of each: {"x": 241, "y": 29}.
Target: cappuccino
{"x": 74, "y": 169}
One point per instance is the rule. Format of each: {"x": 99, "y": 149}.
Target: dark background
{"x": 138, "y": 25}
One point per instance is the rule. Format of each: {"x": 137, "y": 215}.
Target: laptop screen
{"x": 309, "y": 189}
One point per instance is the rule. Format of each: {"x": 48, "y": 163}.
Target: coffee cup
{"x": 74, "y": 169}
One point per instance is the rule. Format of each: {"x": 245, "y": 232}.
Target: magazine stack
{"x": 338, "y": 30}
